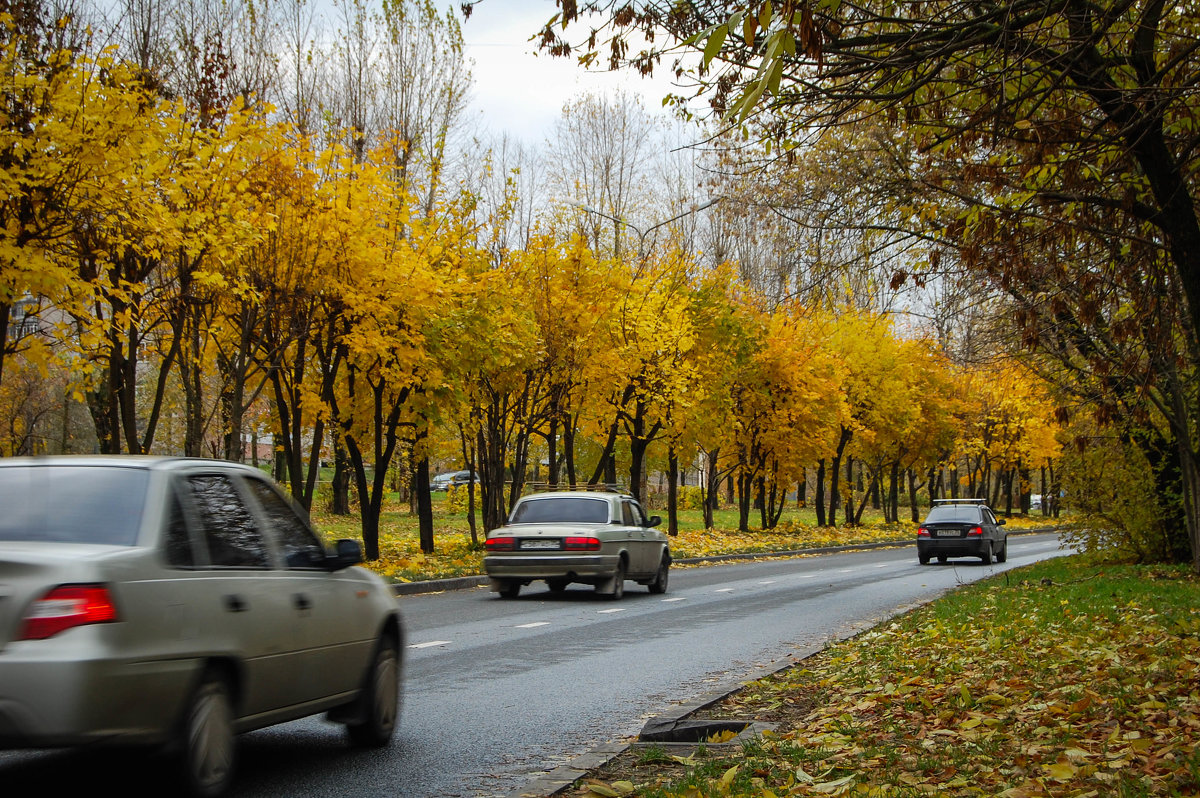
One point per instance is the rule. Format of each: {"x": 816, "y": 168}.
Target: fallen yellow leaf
{"x": 1061, "y": 771}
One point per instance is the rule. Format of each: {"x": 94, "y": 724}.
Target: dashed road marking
{"x": 768, "y": 582}
{"x": 677, "y": 598}
{"x": 725, "y": 590}
{"x": 605, "y": 612}
{"x": 431, "y": 644}
{"x": 533, "y": 625}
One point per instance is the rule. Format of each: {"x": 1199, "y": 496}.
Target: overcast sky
{"x": 523, "y": 94}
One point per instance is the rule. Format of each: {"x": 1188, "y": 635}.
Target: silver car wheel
{"x": 208, "y": 744}
{"x": 381, "y": 700}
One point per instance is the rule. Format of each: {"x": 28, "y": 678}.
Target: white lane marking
{"x": 846, "y": 571}
{"x": 725, "y": 590}
{"x": 431, "y": 644}
{"x": 883, "y": 565}
{"x": 533, "y": 625}
{"x": 808, "y": 576}
{"x": 679, "y": 598}
{"x": 768, "y": 582}
{"x": 605, "y": 612}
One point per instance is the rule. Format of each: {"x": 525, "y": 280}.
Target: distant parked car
{"x": 591, "y": 537}
{"x": 179, "y": 602}
{"x": 962, "y": 528}
{"x": 450, "y": 479}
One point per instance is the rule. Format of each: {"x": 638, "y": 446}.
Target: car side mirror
{"x": 1000, "y": 522}
{"x": 655, "y": 520}
{"x": 347, "y": 552}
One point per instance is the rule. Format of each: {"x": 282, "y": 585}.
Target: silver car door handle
{"x": 234, "y": 603}
{"x": 301, "y": 601}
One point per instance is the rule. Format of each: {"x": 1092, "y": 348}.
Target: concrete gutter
{"x": 562, "y": 778}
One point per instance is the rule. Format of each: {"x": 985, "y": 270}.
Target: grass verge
{"x": 1072, "y": 677}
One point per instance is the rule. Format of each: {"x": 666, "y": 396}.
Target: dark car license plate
{"x": 947, "y": 533}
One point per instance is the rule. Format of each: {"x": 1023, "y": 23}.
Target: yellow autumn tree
{"x": 787, "y": 407}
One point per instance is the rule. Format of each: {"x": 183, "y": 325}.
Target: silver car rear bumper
{"x": 522, "y": 566}
{"x": 51, "y": 697}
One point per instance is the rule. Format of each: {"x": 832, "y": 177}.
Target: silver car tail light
{"x": 66, "y": 607}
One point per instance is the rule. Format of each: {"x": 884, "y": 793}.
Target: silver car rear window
{"x": 564, "y": 510}
{"x": 72, "y": 504}
{"x": 967, "y": 513}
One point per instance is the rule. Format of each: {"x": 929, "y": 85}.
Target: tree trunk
{"x": 835, "y": 469}
{"x": 424, "y": 506}
{"x": 912, "y": 496}
{"x": 468, "y": 453}
{"x": 340, "y": 485}
{"x": 851, "y": 518}
{"x": 820, "y": 497}
{"x": 672, "y": 492}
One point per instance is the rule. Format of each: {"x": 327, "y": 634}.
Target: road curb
{"x": 438, "y": 585}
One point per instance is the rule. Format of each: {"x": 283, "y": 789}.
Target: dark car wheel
{"x": 557, "y": 585}
{"x": 659, "y": 585}
{"x": 1002, "y": 555}
{"x": 987, "y": 553}
{"x": 510, "y": 589}
{"x": 207, "y": 738}
{"x": 380, "y": 700}
{"x": 923, "y": 558}
{"x": 941, "y": 559}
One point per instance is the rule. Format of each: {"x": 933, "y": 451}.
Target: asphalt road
{"x": 497, "y": 692}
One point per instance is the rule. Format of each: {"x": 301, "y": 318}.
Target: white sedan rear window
{"x": 562, "y": 510}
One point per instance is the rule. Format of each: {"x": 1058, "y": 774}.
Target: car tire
{"x": 941, "y": 559}
{"x": 618, "y": 590}
{"x": 510, "y": 589}
{"x": 206, "y": 738}
{"x": 557, "y": 585}
{"x": 1002, "y": 555}
{"x": 659, "y": 585}
{"x": 987, "y": 553}
{"x": 923, "y": 559}
{"x": 380, "y": 700}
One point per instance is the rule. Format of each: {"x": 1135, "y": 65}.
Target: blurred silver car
{"x": 595, "y": 538}
{"x": 180, "y": 602}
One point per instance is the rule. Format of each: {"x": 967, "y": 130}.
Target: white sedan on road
{"x": 592, "y": 537}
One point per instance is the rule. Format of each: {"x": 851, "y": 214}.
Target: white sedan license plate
{"x": 539, "y": 544}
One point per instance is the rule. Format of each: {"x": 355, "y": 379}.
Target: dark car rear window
{"x": 952, "y": 513}
{"x": 565, "y": 510}
{"x": 72, "y": 504}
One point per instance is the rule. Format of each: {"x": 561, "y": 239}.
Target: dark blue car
{"x": 962, "y": 528}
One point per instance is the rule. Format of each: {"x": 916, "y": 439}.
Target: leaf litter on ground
{"x": 1072, "y": 677}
